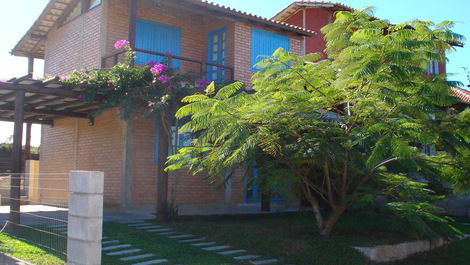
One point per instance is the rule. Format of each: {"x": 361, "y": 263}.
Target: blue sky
{"x": 17, "y": 16}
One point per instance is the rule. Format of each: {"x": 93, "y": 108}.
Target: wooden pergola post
{"x": 132, "y": 24}
{"x": 132, "y": 19}
{"x": 31, "y": 65}
{"x": 16, "y": 154}
{"x": 27, "y": 145}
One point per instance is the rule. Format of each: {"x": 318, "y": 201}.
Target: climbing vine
{"x": 136, "y": 91}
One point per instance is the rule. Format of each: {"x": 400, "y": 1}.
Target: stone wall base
{"x": 389, "y": 253}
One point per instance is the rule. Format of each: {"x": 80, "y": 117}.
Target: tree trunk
{"x": 265, "y": 196}
{"x": 330, "y": 222}
{"x": 162, "y": 177}
{"x": 266, "y": 202}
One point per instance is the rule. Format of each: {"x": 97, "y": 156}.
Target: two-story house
{"x": 217, "y": 41}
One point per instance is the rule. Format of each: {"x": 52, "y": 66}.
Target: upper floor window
{"x": 81, "y": 7}
{"x": 433, "y": 68}
{"x": 94, "y": 3}
{"x": 217, "y": 54}
{"x": 76, "y": 11}
{"x": 264, "y": 44}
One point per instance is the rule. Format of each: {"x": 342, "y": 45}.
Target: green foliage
{"x": 7, "y": 147}
{"x": 344, "y": 127}
{"x": 135, "y": 90}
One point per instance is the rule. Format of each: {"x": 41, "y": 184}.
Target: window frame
{"x": 222, "y": 54}
{"x": 90, "y": 6}
{"x": 433, "y": 68}
{"x": 86, "y": 6}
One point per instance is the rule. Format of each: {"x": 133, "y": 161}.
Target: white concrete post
{"x": 85, "y": 218}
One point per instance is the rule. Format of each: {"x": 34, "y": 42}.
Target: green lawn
{"x": 28, "y": 252}
{"x": 292, "y": 238}
{"x": 165, "y": 248}
{"x": 288, "y": 237}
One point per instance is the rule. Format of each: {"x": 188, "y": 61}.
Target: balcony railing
{"x": 203, "y": 66}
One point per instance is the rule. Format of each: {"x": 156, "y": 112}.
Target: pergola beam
{"x": 32, "y": 121}
{"x": 64, "y": 113}
{"x": 39, "y": 90}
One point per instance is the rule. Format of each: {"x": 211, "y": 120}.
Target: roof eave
{"x": 15, "y": 51}
{"x": 252, "y": 18}
{"x": 296, "y": 6}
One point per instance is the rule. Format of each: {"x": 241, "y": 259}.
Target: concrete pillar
{"x": 85, "y": 218}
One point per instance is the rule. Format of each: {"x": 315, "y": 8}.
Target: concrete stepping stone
{"x": 124, "y": 252}
{"x": 232, "y": 252}
{"x": 57, "y": 226}
{"x": 116, "y": 247}
{"x": 110, "y": 242}
{"x": 132, "y": 222}
{"x": 216, "y": 248}
{"x": 159, "y": 230}
{"x": 131, "y": 258}
{"x": 245, "y": 257}
{"x": 181, "y": 236}
{"x": 203, "y": 244}
{"x": 139, "y": 224}
{"x": 264, "y": 262}
{"x": 150, "y": 262}
{"x": 168, "y": 233}
{"x": 192, "y": 240}
{"x": 149, "y": 227}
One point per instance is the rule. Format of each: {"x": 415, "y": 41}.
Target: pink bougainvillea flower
{"x": 121, "y": 43}
{"x": 163, "y": 78}
{"x": 168, "y": 52}
{"x": 80, "y": 97}
{"x": 158, "y": 69}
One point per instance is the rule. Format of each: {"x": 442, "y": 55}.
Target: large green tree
{"x": 342, "y": 128}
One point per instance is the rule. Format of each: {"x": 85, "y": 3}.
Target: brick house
{"x": 218, "y": 41}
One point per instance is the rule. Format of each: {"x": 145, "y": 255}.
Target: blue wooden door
{"x": 157, "y": 37}
{"x": 264, "y": 44}
{"x": 217, "y": 53}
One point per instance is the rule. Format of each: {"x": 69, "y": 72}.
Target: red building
{"x": 314, "y": 15}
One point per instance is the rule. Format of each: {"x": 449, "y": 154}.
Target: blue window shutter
{"x": 156, "y": 37}
{"x": 264, "y": 44}
{"x": 252, "y": 193}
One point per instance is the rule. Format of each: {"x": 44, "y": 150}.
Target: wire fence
{"x": 38, "y": 216}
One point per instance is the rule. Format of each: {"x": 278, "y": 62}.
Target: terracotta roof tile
{"x": 462, "y": 94}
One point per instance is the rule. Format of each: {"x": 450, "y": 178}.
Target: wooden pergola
{"x": 26, "y": 100}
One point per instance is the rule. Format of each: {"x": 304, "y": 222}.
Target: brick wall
{"x": 184, "y": 188}
{"x": 75, "y": 45}
{"x": 194, "y": 28}
{"x": 127, "y": 155}
{"x": 71, "y": 144}
{"x": 143, "y": 166}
